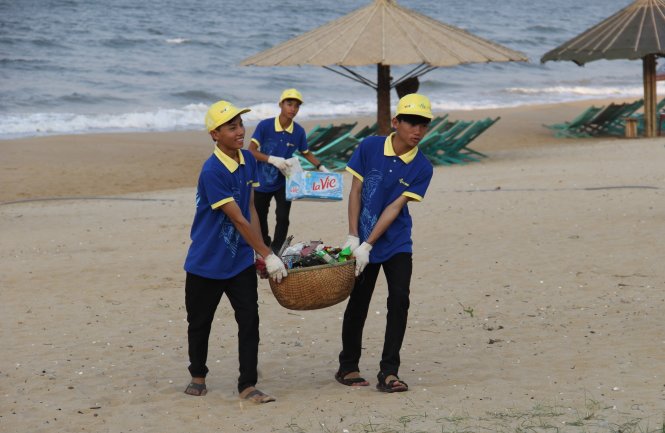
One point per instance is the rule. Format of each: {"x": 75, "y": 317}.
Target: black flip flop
{"x": 258, "y": 396}
{"x": 340, "y": 377}
{"x": 395, "y": 385}
{"x": 196, "y": 389}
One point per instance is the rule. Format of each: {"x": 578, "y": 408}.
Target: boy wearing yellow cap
{"x": 388, "y": 172}
{"x": 274, "y": 141}
{"x": 225, "y": 233}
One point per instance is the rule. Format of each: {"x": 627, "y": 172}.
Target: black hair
{"x": 413, "y": 119}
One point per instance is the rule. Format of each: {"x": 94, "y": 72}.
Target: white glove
{"x": 352, "y": 242}
{"x": 323, "y": 169}
{"x": 282, "y": 164}
{"x": 275, "y": 267}
{"x": 362, "y": 257}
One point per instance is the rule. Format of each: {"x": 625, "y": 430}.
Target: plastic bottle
{"x": 344, "y": 255}
{"x": 325, "y": 256}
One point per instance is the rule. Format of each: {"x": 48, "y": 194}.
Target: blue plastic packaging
{"x": 314, "y": 186}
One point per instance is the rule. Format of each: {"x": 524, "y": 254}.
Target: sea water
{"x": 82, "y": 66}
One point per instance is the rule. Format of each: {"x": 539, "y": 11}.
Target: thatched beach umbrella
{"x": 635, "y": 32}
{"x": 384, "y": 33}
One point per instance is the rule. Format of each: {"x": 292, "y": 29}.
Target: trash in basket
{"x": 319, "y": 276}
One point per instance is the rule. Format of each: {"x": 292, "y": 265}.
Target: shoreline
{"x": 118, "y": 163}
{"x": 364, "y": 118}
{"x": 268, "y": 107}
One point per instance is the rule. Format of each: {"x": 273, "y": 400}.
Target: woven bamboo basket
{"x": 315, "y": 287}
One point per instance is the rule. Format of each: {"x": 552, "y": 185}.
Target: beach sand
{"x": 536, "y": 297}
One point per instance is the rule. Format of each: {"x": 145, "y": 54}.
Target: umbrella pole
{"x": 649, "y": 73}
{"x": 383, "y": 99}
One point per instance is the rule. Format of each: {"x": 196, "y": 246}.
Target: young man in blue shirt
{"x": 225, "y": 233}
{"x": 388, "y": 172}
{"x": 274, "y": 141}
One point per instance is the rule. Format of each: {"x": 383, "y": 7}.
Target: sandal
{"x": 340, "y": 377}
{"x": 393, "y": 385}
{"x": 196, "y": 389}
{"x": 256, "y": 396}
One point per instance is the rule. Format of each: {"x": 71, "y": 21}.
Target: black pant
{"x": 398, "y": 276}
{"x": 282, "y": 210}
{"x": 202, "y": 295}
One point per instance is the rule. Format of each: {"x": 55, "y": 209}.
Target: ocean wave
{"x": 200, "y": 95}
{"x": 190, "y": 117}
{"x": 26, "y": 125}
{"x": 87, "y": 99}
{"x": 7, "y": 40}
{"x": 45, "y": 43}
{"x": 134, "y": 70}
{"x": 177, "y": 41}
{"x": 120, "y": 42}
{"x": 577, "y": 91}
{"x": 23, "y": 64}
{"x": 203, "y": 43}
{"x": 544, "y": 29}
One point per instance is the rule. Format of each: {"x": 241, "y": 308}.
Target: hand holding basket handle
{"x": 275, "y": 267}
{"x": 362, "y": 257}
{"x": 352, "y": 242}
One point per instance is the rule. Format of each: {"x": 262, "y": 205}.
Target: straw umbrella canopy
{"x": 384, "y": 33}
{"x": 635, "y": 32}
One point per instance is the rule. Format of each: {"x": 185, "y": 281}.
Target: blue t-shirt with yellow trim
{"x": 217, "y": 250}
{"x": 385, "y": 177}
{"x": 274, "y": 140}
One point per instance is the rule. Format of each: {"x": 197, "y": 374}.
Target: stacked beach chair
{"x": 660, "y": 118}
{"x": 323, "y": 135}
{"x": 330, "y": 144}
{"x": 446, "y": 142}
{"x": 598, "y": 121}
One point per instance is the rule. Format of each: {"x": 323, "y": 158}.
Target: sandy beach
{"x": 536, "y": 297}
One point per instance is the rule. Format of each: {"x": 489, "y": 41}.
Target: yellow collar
{"x": 229, "y": 162}
{"x": 389, "y": 151}
{"x": 278, "y": 126}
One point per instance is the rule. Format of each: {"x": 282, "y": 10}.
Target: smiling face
{"x": 289, "y": 108}
{"x": 230, "y": 136}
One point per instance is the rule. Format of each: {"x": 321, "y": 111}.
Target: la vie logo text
{"x": 324, "y": 183}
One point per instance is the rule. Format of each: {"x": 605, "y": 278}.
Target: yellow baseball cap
{"x": 221, "y": 112}
{"x": 291, "y": 94}
{"x": 416, "y": 105}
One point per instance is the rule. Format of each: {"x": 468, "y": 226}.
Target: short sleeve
{"x": 253, "y": 171}
{"x": 218, "y": 189}
{"x": 418, "y": 187}
{"x": 356, "y": 164}
{"x": 258, "y": 135}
